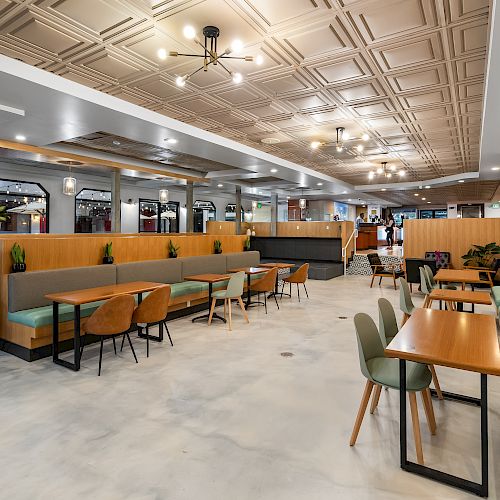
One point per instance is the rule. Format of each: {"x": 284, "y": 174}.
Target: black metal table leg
{"x": 75, "y": 366}
{"x": 480, "y": 489}
{"x": 206, "y": 316}
{"x": 55, "y": 331}
{"x": 248, "y": 292}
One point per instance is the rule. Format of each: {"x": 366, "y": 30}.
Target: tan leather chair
{"x": 153, "y": 311}
{"x": 298, "y": 277}
{"x": 266, "y": 284}
{"x": 112, "y": 318}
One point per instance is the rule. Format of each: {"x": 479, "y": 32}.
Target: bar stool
{"x": 153, "y": 311}
{"x": 112, "y": 318}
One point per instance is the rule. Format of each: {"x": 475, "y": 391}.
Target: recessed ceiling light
{"x": 315, "y": 144}
{"x": 180, "y": 81}
{"x": 20, "y": 137}
{"x": 416, "y": 194}
{"x": 359, "y": 148}
{"x": 274, "y": 170}
{"x": 495, "y": 168}
{"x": 237, "y": 77}
{"x": 171, "y": 141}
{"x": 349, "y": 199}
{"x": 162, "y": 54}
{"x": 401, "y": 173}
{"x": 189, "y": 32}
{"x": 428, "y": 202}
{"x": 260, "y": 192}
{"x": 259, "y": 60}
{"x": 365, "y": 137}
{"x": 288, "y": 197}
{"x": 270, "y": 140}
{"x": 116, "y": 143}
{"x": 344, "y": 192}
{"x": 320, "y": 183}
{"x": 427, "y": 187}
{"x": 461, "y": 180}
{"x": 424, "y": 198}
{"x": 384, "y": 189}
{"x": 220, "y": 185}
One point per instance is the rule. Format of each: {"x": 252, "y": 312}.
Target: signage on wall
{"x": 495, "y": 205}
{"x": 259, "y": 205}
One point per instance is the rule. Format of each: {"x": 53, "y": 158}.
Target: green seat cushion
{"x": 220, "y": 285}
{"x": 385, "y": 371}
{"x": 187, "y": 288}
{"x": 495, "y": 291}
{"x": 254, "y": 277}
{"x": 42, "y": 316}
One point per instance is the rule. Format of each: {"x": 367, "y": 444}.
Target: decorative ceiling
{"x": 410, "y": 73}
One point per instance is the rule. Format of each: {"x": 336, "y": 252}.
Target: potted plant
{"x": 19, "y": 258}
{"x": 3, "y": 214}
{"x": 246, "y": 244}
{"x": 172, "y": 250}
{"x": 217, "y": 246}
{"x": 108, "y": 254}
{"x": 481, "y": 256}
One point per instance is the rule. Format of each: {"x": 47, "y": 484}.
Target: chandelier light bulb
{"x": 315, "y": 144}
{"x": 393, "y": 168}
{"x": 389, "y": 175}
{"x": 236, "y": 46}
{"x": 345, "y": 135}
{"x": 189, "y": 32}
{"x": 259, "y": 60}
{"x": 359, "y": 147}
{"x": 237, "y": 77}
{"x": 162, "y": 54}
{"x": 401, "y": 173}
{"x": 380, "y": 170}
{"x": 339, "y": 149}
{"x": 180, "y": 81}
{"x": 365, "y": 137}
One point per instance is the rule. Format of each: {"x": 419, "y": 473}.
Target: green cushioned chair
{"x": 382, "y": 371}
{"x": 42, "y": 316}
{"x": 405, "y": 303}
{"x": 495, "y": 291}
{"x": 387, "y": 323}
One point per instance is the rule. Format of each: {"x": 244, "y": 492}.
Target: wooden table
{"x": 279, "y": 265}
{"x": 461, "y": 296}
{"x": 456, "y": 340}
{"x": 210, "y": 279}
{"x": 457, "y": 276}
{"x": 78, "y": 297}
{"x": 249, "y": 271}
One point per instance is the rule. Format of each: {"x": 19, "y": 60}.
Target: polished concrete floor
{"x": 225, "y": 416}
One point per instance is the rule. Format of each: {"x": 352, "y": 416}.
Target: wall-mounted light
{"x": 69, "y": 186}
{"x": 163, "y": 195}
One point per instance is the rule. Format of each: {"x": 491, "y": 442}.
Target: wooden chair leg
{"x": 436, "y": 381}
{"x": 229, "y": 311}
{"x": 361, "y": 411}
{"x": 405, "y": 319}
{"x": 416, "y": 427}
{"x": 429, "y": 412}
{"x": 224, "y": 308}
{"x": 214, "y": 300}
{"x": 394, "y": 280}
{"x": 375, "y": 398}
{"x": 373, "y": 277}
{"x": 240, "y": 302}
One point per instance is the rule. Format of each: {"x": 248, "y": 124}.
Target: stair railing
{"x": 354, "y": 235}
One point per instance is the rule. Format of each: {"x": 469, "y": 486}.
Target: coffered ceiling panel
{"x": 409, "y": 73}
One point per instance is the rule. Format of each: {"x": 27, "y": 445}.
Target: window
{"x": 442, "y": 213}
{"x": 25, "y": 207}
{"x": 148, "y": 216}
{"x": 231, "y": 212}
{"x": 203, "y": 211}
{"x": 407, "y": 213}
{"x": 93, "y": 211}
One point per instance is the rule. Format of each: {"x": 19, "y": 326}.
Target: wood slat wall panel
{"x": 448, "y": 235}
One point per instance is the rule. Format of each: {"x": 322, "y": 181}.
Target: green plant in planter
{"x": 3, "y": 214}
{"x": 108, "y": 254}
{"x": 246, "y": 244}
{"x": 217, "y": 246}
{"x": 19, "y": 258}
{"x": 172, "y": 250}
{"x": 481, "y": 256}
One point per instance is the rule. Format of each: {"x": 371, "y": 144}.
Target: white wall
{"x": 489, "y": 212}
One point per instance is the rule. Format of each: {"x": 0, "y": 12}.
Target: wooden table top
{"x": 448, "y": 338}
{"x": 207, "y": 278}
{"x": 249, "y": 270}
{"x": 78, "y": 297}
{"x": 461, "y": 296}
{"x": 458, "y": 275}
{"x": 279, "y": 265}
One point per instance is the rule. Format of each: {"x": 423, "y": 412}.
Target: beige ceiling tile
{"x": 386, "y": 121}
{"x": 472, "y": 67}
{"x": 415, "y": 80}
{"x": 429, "y": 98}
{"x": 239, "y": 95}
{"x": 470, "y": 38}
{"x": 266, "y": 110}
{"x": 373, "y": 108}
{"x": 286, "y": 123}
{"x": 229, "y": 117}
{"x": 396, "y": 19}
{"x": 46, "y": 37}
{"x": 83, "y": 80}
{"x": 99, "y": 16}
{"x": 134, "y": 99}
{"x": 111, "y": 66}
{"x": 471, "y": 107}
{"x": 308, "y": 102}
{"x": 273, "y": 12}
{"x": 21, "y": 54}
{"x": 429, "y": 114}
{"x": 327, "y": 116}
{"x": 359, "y": 91}
{"x": 343, "y": 71}
{"x": 407, "y": 54}
{"x": 160, "y": 88}
{"x": 255, "y": 128}
{"x": 470, "y": 90}
{"x": 457, "y": 10}
{"x": 196, "y": 105}
{"x": 215, "y": 76}
{"x": 283, "y": 84}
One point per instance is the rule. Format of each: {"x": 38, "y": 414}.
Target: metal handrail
{"x": 344, "y": 249}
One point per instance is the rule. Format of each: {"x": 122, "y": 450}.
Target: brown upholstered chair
{"x": 298, "y": 277}
{"x": 112, "y": 318}
{"x": 266, "y": 284}
{"x": 383, "y": 270}
{"x": 153, "y": 311}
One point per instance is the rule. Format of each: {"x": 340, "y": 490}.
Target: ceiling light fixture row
{"x": 386, "y": 171}
{"x": 342, "y": 137}
{"x": 210, "y": 55}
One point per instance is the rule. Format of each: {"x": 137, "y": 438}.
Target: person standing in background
{"x": 390, "y": 230}
{"x": 360, "y": 219}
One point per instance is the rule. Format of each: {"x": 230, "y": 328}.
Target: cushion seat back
{"x": 166, "y": 271}
{"x": 203, "y": 264}
{"x": 28, "y": 290}
{"x": 243, "y": 259}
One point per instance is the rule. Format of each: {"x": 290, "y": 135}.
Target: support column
{"x": 238, "y": 209}
{"x": 274, "y": 214}
{"x": 189, "y": 207}
{"x": 116, "y": 226}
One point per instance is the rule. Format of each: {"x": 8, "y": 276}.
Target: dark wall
{"x": 306, "y": 249}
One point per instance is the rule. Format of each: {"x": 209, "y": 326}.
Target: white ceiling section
{"x": 410, "y": 73}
